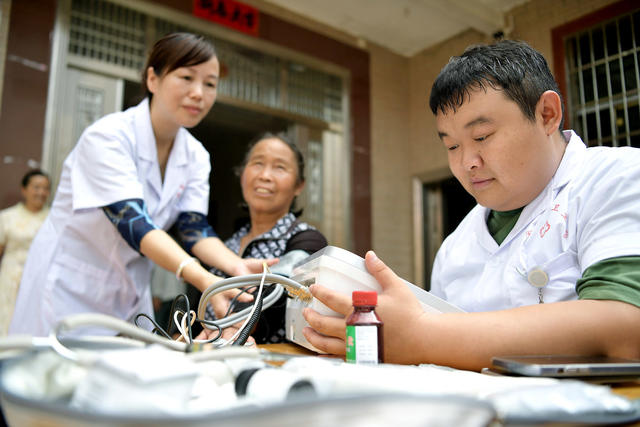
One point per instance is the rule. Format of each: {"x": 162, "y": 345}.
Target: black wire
{"x": 190, "y": 344}
{"x": 172, "y": 310}
{"x": 211, "y": 323}
{"x": 234, "y": 302}
{"x": 244, "y": 334}
{"x": 246, "y": 331}
{"x": 157, "y": 329}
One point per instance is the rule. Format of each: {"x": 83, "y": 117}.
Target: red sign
{"x": 229, "y": 13}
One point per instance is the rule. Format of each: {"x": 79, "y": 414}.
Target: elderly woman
{"x": 271, "y": 176}
{"x": 18, "y": 226}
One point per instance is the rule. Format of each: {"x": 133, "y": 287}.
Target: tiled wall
{"x": 534, "y": 21}
{"x": 390, "y": 154}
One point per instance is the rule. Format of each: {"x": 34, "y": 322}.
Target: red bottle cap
{"x": 361, "y": 298}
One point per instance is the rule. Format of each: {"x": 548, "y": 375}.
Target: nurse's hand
{"x": 221, "y": 302}
{"x": 251, "y": 266}
{"x": 397, "y": 307}
{"x": 227, "y": 334}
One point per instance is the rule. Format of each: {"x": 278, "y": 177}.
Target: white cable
{"x": 293, "y": 288}
{"x": 107, "y": 322}
{"x": 185, "y": 327}
{"x": 181, "y": 325}
{"x": 239, "y": 316}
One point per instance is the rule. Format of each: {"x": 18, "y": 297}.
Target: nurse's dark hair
{"x": 512, "y": 66}
{"x": 177, "y": 50}
{"x": 33, "y": 172}
{"x": 297, "y": 154}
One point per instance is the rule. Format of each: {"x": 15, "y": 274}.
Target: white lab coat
{"x": 79, "y": 262}
{"x": 589, "y": 211}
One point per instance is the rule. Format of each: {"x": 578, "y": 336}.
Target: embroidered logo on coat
{"x": 544, "y": 228}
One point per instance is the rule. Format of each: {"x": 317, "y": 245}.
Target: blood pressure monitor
{"x": 343, "y": 271}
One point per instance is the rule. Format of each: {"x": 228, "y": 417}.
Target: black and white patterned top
{"x": 273, "y": 243}
{"x": 287, "y": 235}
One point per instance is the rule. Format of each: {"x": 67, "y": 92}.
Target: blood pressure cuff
{"x": 131, "y": 219}
{"x": 193, "y": 227}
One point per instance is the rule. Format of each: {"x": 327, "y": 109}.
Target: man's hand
{"x": 327, "y": 333}
{"x": 397, "y": 307}
{"x": 400, "y": 311}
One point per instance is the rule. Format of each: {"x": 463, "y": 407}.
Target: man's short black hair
{"x": 514, "y": 67}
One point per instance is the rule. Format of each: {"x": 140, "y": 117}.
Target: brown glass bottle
{"x": 364, "y": 339}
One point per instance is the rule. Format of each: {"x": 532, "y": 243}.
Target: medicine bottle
{"x": 364, "y": 330}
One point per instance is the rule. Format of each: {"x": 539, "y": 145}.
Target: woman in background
{"x": 18, "y": 226}
{"x": 131, "y": 176}
{"x": 271, "y": 177}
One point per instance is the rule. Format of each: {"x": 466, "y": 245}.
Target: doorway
{"x": 445, "y": 203}
{"x": 226, "y": 133}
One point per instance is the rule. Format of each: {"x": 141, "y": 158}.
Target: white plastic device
{"x": 135, "y": 381}
{"x": 344, "y": 272}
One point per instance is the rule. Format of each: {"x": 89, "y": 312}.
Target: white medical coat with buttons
{"x": 589, "y": 211}
{"x": 79, "y": 262}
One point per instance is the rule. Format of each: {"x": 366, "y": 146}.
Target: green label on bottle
{"x": 362, "y": 344}
{"x": 351, "y": 344}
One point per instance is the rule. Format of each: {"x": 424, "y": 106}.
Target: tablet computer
{"x": 566, "y": 366}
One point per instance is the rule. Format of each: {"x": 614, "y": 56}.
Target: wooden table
{"x": 288, "y": 348}
{"x": 629, "y": 389}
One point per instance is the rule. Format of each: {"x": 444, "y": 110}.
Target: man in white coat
{"x": 548, "y": 262}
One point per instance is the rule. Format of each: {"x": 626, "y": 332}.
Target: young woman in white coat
{"x": 131, "y": 176}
